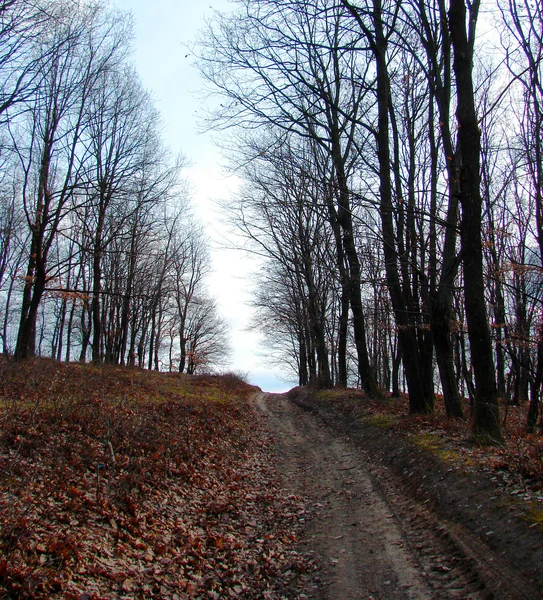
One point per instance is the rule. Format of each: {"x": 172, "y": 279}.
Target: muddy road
{"x": 371, "y": 538}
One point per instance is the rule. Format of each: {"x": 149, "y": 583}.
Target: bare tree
{"x": 122, "y": 141}
{"x": 523, "y": 41}
{"x": 290, "y": 65}
{"x": 206, "y": 335}
{"x": 12, "y": 243}
{"x": 22, "y": 59}
{"x": 282, "y": 215}
{"x": 189, "y": 266}
{"x": 50, "y": 152}
{"x": 430, "y": 23}
{"x": 377, "y": 23}
{"x": 462, "y": 24}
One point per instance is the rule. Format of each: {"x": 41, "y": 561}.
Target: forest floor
{"x": 122, "y": 483}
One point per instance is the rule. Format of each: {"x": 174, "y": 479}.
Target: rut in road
{"x": 352, "y": 529}
{"x": 371, "y": 541}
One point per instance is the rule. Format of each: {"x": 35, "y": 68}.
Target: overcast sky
{"x": 163, "y": 29}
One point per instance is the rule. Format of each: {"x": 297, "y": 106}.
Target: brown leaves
{"x": 126, "y": 483}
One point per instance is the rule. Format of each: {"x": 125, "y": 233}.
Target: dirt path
{"x": 371, "y": 539}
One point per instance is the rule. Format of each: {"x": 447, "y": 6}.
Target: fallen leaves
{"x": 121, "y": 483}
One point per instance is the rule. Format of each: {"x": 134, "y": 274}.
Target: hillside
{"x": 126, "y": 483}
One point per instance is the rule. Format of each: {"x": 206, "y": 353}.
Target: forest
{"x": 101, "y": 257}
{"x": 391, "y": 159}
{"x": 391, "y": 154}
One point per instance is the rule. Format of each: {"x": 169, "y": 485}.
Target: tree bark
{"x": 441, "y": 320}
{"x": 303, "y": 375}
{"x": 36, "y": 270}
{"x": 419, "y": 403}
{"x": 535, "y": 391}
{"x": 344, "y": 218}
{"x": 486, "y": 426}
{"x": 345, "y": 294}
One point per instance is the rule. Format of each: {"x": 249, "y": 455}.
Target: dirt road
{"x": 372, "y": 539}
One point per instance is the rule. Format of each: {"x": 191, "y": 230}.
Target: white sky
{"x": 163, "y": 28}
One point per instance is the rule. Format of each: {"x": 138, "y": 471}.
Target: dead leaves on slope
{"x": 104, "y": 494}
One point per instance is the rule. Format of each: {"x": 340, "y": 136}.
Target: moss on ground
{"x": 434, "y": 444}
{"x": 382, "y": 421}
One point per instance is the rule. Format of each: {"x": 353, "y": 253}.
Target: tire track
{"x": 349, "y": 525}
{"x": 372, "y": 538}
{"x": 456, "y": 562}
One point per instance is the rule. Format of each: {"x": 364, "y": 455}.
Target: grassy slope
{"x": 118, "y": 482}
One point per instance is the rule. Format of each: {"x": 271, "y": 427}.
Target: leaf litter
{"x": 119, "y": 483}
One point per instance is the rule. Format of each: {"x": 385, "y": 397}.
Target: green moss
{"x": 484, "y": 439}
{"x": 328, "y": 394}
{"x": 530, "y": 512}
{"x": 382, "y": 421}
{"x": 534, "y": 515}
{"x": 341, "y": 394}
{"x": 434, "y": 444}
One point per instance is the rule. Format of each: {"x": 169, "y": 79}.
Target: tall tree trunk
{"x": 125, "y": 318}
{"x": 441, "y": 305}
{"x": 152, "y": 339}
{"x": 486, "y": 426}
{"x": 441, "y": 320}
{"x": 344, "y": 213}
{"x": 69, "y": 330}
{"x": 6, "y": 320}
{"x": 61, "y": 325}
{"x": 316, "y": 321}
{"x": 32, "y": 293}
{"x": 396, "y": 363}
{"x": 419, "y": 403}
{"x": 535, "y": 391}
{"x": 303, "y": 375}
{"x": 36, "y": 269}
{"x": 311, "y": 363}
{"x": 26, "y": 337}
{"x": 131, "y": 359}
{"x": 435, "y": 38}
{"x": 182, "y": 346}
{"x": 343, "y": 328}
{"x": 96, "y": 291}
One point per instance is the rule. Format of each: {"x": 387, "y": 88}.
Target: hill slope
{"x": 118, "y": 482}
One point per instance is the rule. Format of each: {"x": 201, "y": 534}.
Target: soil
{"x": 385, "y": 520}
